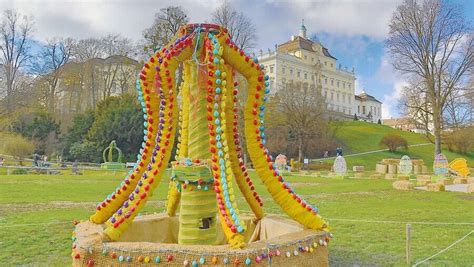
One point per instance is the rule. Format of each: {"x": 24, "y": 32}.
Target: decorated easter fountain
{"x": 203, "y": 224}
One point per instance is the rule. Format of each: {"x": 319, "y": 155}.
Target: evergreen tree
{"x": 118, "y": 118}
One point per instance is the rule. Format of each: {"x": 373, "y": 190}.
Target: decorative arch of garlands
{"x": 158, "y": 95}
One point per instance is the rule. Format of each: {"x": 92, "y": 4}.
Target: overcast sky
{"x": 353, "y": 31}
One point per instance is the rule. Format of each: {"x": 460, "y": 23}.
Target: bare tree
{"x": 127, "y": 71}
{"x": 165, "y": 26}
{"x": 114, "y": 44}
{"x": 87, "y": 49}
{"x": 430, "y": 41}
{"x": 458, "y": 111}
{"x": 300, "y": 109}
{"x": 414, "y": 104}
{"x": 15, "y": 31}
{"x": 240, "y": 27}
{"x": 54, "y": 55}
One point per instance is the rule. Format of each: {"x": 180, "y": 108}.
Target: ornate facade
{"x": 309, "y": 62}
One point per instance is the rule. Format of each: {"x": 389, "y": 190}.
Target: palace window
{"x": 344, "y": 85}
{"x": 349, "y": 86}
{"x": 291, "y": 71}
{"x": 298, "y": 74}
{"x": 271, "y": 69}
{"x": 312, "y": 77}
{"x": 343, "y": 98}
{"x": 325, "y": 63}
{"x": 305, "y": 57}
{"x": 363, "y": 110}
{"x": 358, "y": 109}
{"x": 332, "y": 65}
{"x": 306, "y": 76}
{"x": 332, "y": 96}
{"x": 332, "y": 82}
{"x": 312, "y": 59}
{"x": 283, "y": 70}
{"x": 337, "y": 84}
{"x": 349, "y": 97}
{"x": 325, "y": 80}
{"x": 337, "y": 97}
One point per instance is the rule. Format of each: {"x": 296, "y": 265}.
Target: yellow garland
{"x": 112, "y": 232}
{"x": 102, "y": 215}
{"x": 233, "y": 158}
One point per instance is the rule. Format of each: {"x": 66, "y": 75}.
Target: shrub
{"x": 19, "y": 172}
{"x": 18, "y": 147}
{"x": 85, "y": 151}
{"x": 320, "y": 166}
{"x": 460, "y": 140}
{"x": 393, "y": 142}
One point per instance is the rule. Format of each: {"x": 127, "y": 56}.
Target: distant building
{"x": 83, "y": 84}
{"x": 301, "y": 60}
{"x": 404, "y": 124}
{"x": 368, "y": 107}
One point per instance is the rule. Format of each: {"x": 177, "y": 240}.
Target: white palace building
{"x": 309, "y": 62}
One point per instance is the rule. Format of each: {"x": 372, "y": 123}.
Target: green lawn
{"x": 359, "y": 136}
{"x": 36, "y": 214}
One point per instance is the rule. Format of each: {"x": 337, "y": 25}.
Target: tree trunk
{"x": 9, "y": 91}
{"x": 437, "y": 135}
{"x": 437, "y": 129}
{"x": 52, "y": 101}
{"x": 300, "y": 149}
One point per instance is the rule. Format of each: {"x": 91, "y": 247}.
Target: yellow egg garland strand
{"x": 237, "y": 164}
{"x": 227, "y": 207}
{"x": 167, "y": 117}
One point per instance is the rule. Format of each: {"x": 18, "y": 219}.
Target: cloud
{"x": 275, "y": 20}
{"x": 369, "y": 18}
{"x": 94, "y": 18}
{"x": 391, "y": 101}
{"x": 388, "y": 75}
{"x": 358, "y": 85}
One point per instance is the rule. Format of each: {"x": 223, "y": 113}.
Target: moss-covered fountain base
{"x": 152, "y": 240}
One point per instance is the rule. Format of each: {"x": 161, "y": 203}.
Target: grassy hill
{"x": 358, "y": 136}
